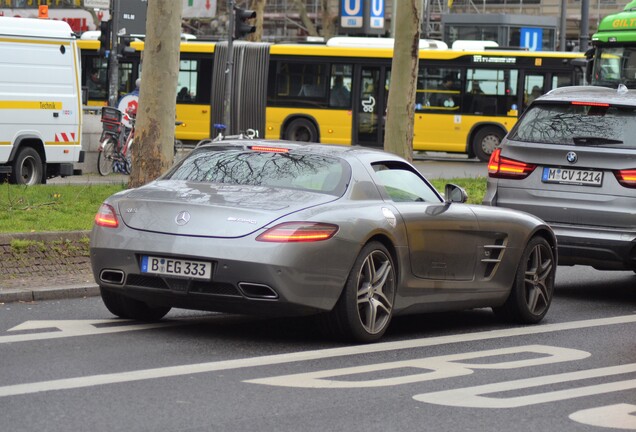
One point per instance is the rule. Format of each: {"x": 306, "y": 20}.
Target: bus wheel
{"x": 301, "y": 130}
{"x": 27, "y": 167}
{"x": 485, "y": 142}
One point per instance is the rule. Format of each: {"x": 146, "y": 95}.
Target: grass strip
{"x": 43, "y": 208}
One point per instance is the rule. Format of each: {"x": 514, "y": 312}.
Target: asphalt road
{"x": 68, "y": 365}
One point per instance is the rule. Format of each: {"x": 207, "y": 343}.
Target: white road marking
{"x": 70, "y": 328}
{"x": 619, "y": 416}
{"x": 434, "y": 368}
{"x": 120, "y": 377}
{"x": 474, "y": 397}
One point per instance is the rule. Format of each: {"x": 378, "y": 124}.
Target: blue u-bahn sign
{"x": 531, "y": 38}
{"x": 351, "y": 14}
{"x": 362, "y": 16}
{"x": 376, "y": 18}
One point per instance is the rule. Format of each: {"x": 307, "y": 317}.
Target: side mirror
{"x": 455, "y": 194}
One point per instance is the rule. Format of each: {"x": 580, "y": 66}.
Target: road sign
{"x": 199, "y": 8}
{"x": 351, "y": 14}
{"x": 531, "y": 38}
{"x": 376, "y": 19}
{"x": 97, "y": 4}
{"x": 132, "y": 17}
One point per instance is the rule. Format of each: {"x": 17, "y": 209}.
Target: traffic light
{"x": 241, "y": 26}
{"x": 124, "y": 48}
{"x": 104, "y": 37}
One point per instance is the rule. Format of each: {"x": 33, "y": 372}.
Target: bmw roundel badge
{"x": 571, "y": 157}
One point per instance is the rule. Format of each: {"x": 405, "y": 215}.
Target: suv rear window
{"x": 577, "y": 124}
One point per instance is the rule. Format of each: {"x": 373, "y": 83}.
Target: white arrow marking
{"x": 69, "y": 328}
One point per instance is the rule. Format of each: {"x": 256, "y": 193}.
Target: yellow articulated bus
{"x": 194, "y": 82}
{"x": 466, "y": 100}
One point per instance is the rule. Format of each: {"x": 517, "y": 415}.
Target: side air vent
{"x": 493, "y": 253}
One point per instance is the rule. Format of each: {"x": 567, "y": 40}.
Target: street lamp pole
{"x": 227, "y": 102}
{"x": 113, "y": 61}
{"x": 585, "y": 25}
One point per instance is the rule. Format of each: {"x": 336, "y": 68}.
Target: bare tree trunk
{"x": 153, "y": 148}
{"x": 328, "y": 24}
{"x": 309, "y": 25}
{"x": 258, "y": 6}
{"x": 398, "y": 138}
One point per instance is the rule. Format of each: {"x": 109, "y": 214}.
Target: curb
{"x": 44, "y": 236}
{"x": 52, "y": 293}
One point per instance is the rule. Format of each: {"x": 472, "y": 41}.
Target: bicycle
{"x": 114, "y": 152}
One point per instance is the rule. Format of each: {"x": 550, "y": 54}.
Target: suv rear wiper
{"x": 592, "y": 140}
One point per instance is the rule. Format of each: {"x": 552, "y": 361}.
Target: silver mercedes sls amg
{"x": 279, "y": 228}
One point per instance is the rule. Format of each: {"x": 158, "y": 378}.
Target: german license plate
{"x": 572, "y": 176}
{"x": 176, "y": 267}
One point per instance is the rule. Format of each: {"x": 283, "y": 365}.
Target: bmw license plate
{"x": 572, "y": 176}
{"x": 176, "y": 267}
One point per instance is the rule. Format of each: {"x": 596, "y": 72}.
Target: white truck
{"x": 40, "y": 100}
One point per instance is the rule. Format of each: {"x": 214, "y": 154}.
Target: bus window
{"x": 497, "y": 91}
{"x": 438, "y": 89}
{"x": 533, "y": 87}
{"x": 340, "y": 88}
{"x": 187, "y": 81}
{"x": 562, "y": 80}
{"x": 126, "y": 79}
{"x": 300, "y": 84}
{"x": 96, "y": 78}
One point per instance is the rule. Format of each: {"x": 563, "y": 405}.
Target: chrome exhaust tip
{"x": 115, "y": 277}
{"x": 257, "y": 291}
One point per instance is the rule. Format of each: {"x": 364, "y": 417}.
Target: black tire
{"x": 27, "y": 167}
{"x": 485, "y": 142}
{"x": 128, "y": 308}
{"x": 106, "y": 157}
{"x": 301, "y": 130}
{"x": 365, "y": 307}
{"x": 533, "y": 287}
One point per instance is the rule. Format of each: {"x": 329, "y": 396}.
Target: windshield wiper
{"x": 592, "y": 140}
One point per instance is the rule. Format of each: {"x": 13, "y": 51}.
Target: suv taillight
{"x": 501, "y": 167}
{"x": 626, "y": 177}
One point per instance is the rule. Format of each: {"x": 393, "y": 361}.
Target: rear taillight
{"x": 626, "y": 177}
{"x": 501, "y": 167}
{"x": 106, "y": 217}
{"x": 298, "y": 232}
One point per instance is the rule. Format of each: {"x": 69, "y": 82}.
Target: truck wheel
{"x": 301, "y": 130}
{"x": 27, "y": 167}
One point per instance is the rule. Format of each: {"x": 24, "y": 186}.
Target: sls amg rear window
{"x": 578, "y": 124}
{"x": 309, "y": 172}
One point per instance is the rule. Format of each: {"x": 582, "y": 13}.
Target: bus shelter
{"x": 532, "y": 32}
